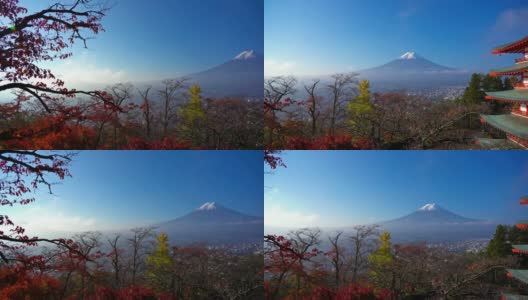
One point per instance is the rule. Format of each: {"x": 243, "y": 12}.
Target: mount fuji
{"x": 410, "y": 62}
{"x": 431, "y": 213}
{"x": 242, "y": 76}
{"x": 412, "y": 71}
{"x": 432, "y": 222}
{"x": 214, "y": 224}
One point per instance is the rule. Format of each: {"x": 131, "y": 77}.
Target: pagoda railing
{"x": 524, "y": 144}
{"x": 519, "y": 85}
{"x": 521, "y": 59}
{"x": 519, "y": 112}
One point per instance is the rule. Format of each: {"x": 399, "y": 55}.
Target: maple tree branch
{"x": 36, "y": 154}
{"x": 38, "y": 170}
{"x": 27, "y": 87}
{"x": 2, "y": 256}
{"x": 55, "y": 9}
{"x": 38, "y": 98}
{"x": 57, "y": 242}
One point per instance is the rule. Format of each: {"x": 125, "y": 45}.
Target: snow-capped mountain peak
{"x": 428, "y": 207}
{"x": 248, "y": 54}
{"x": 208, "y": 206}
{"x": 409, "y": 55}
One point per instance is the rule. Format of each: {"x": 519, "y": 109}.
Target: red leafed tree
{"x": 350, "y": 292}
{"x": 284, "y": 257}
{"x": 272, "y": 159}
{"x": 129, "y": 293}
{"x": 23, "y": 274}
{"x": 15, "y": 284}
{"x": 330, "y": 142}
{"x": 27, "y": 39}
{"x": 23, "y": 173}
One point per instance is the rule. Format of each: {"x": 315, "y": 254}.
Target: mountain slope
{"x": 214, "y": 224}
{"x": 241, "y": 76}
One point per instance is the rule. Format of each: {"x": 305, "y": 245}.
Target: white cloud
{"x": 512, "y": 19}
{"x": 82, "y": 70}
{"x": 278, "y": 216}
{"x": 275, "y": 68}
{"x": 49, "y": 217}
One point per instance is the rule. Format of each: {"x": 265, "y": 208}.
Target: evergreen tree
{"x": 159, "y": 265}
{"x": 499, "y": 245}
{"x": 491, "y": 83}
{"x": 473, "y": 93}
{"x": 508, "y": 83}
{"x": 381, "y": 261}
{"x": 192, "y": 116}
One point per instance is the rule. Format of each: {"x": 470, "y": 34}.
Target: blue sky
{"x": 311, "y": 37}
{"x": 339, "y": 188}
{"x": 120, "y": 189}
{"x": 159, "y": 39}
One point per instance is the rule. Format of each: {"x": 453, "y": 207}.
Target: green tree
{"x": 359, "y": 110}
{"x": 492, "y": 83}
{"x": 159, "y": 265}
{"x": 361, "y": 104}
{"x": 381, "y": 262}
{"x": 192, "y": 117}
{"x": 473, "y": 93}
{"x": 499, "y": 245}
{"x": 508, "y": 83}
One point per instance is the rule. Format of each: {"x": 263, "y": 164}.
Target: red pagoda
{"x": 515, "y": 124}
{"x": 520, "y": 275}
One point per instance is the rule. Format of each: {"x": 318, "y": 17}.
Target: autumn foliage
{"x": 342, "y": 113}
{"x": 90, "y": 265}
{"x": 45, "y": 113}
{"x": 328, "y": 142}
{"x": 350, "y": 292}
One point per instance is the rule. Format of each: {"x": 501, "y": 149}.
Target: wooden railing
{"x": 518, "y": 140}
{"x": 519, "y": 112}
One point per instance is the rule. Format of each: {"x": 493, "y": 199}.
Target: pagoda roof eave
{"x": 510, "y": 124}
{"x": 497, "y": 144}
{"x": 522, "y": 225}
{"x": 514, "y": 47}
{"x": 511, "y": 70}
{"x": 521, "y": 275}
{"x": 506, "y": 296}
{"x": 515, "y": 95}
{"x": 521, "y": 249}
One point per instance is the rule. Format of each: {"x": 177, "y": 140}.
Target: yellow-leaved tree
{"x": 159, "y": 265}
{"x": 360, "y": 111}
{"x": 193, "y": 117}
{"x": 381, "y": 262}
